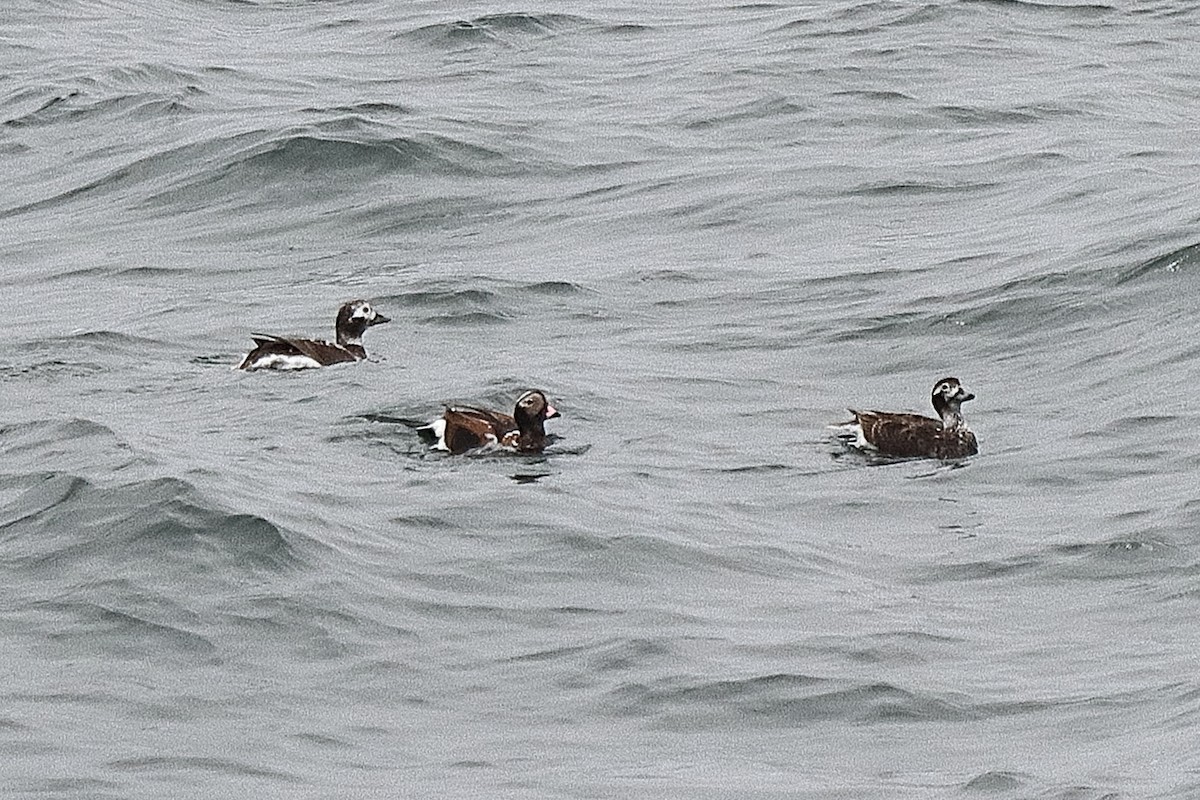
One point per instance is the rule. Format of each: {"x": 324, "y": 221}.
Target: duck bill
{"x": 966, "y": 397}
{"x": 380, "y": 319}
{"x": 551, "y": 412}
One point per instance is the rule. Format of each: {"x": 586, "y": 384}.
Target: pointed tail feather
{"x": 433, "y": 433}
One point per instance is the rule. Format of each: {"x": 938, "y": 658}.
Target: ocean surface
{"x": 705, "y": 229}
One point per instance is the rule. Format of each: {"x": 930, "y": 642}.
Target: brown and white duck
{"x": 914, "y": 435}
{"x": 286, "y": 352}
{"x": 463, "y": 428}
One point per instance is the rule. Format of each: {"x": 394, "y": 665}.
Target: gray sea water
{"x": 704, "y": 229}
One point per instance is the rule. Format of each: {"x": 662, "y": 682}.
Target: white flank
{"x": 277, "y": 361}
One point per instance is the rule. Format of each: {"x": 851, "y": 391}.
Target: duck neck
{"x": 949, "y": 411}
{"x": 531, "y": 433}
{"x": 348, "y": 338}
{"x": 350, "y": 330}
{"x": 952, "y": 418}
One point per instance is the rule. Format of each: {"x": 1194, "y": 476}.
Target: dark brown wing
{"x": 324, "y": 353}
{"x": 265, "y": 346}
{"x": 903, "y": 435}
{"x": 468, "y": 427}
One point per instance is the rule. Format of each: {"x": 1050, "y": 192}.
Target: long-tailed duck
{"x": 286, "y": 352}
{"x": 916, "y": 436}
{"x": 463, "y": 428}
